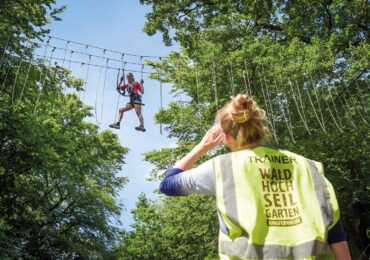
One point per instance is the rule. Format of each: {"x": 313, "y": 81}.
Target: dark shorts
{"x": 135, "y": 99}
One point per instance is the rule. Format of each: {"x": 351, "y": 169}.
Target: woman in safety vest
{"x": 271, "y": 204}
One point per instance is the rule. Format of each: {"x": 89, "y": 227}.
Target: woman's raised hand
{"x": 212, "y": 138}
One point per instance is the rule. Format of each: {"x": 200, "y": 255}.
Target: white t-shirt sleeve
{"x": 200, "y": 180}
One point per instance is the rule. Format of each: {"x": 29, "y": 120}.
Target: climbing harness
{"x": 130, "y": 87}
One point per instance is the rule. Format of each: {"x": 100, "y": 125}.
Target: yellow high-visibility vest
{"x": 273, "y": 204}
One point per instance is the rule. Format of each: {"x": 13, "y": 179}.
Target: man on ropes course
{"x": 133, "y": 89}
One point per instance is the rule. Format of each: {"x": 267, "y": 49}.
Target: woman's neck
{"x": 247, "y": 146}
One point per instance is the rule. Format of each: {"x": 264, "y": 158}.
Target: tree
{"x": 58, "y": 182}
{"x": 173, "y": 228}
{"x": 304, "y": 62}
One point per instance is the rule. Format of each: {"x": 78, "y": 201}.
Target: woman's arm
{"x": 341, "y": 251}
{"x": 210, "y": 140}
{"x": 142, "y": 86}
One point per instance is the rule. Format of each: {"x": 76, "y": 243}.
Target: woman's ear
{"x": 229, "y": 141}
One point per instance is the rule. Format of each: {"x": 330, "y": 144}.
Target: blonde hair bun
{"x": 242, "y": 119}
{"x": 243, "y": 109}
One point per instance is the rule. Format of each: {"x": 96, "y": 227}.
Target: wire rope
{"x": 93, "y": 55}
{"x": 86, "y": 77}
{"x": 288, "y": 123}
{"x": 296, "y": 103}
{"x": 327, "y": 104}
{"x": 331, "y": 113}
{"x": 318, "y": 103}
{"x": 16, "y": 78}
{"x": 41, "y": 80}
{"x": 181, "y": 102}
{"x": 118, "y": 82}
{"x": 100, "y": 48}
{"x": 335, "y": 108}
{"x": 361, "y": 97}
{"x": 313, "y": 107}
{"x": 26, "y": 78}
{"x": 214, "y": 81}
{"x": 333, "y": 102}
{"x": 300, "y": 101}
{"x": 271, "y": 117}
{"x": 344, "y": 105}
{"x": 94, "y": 65}
{"x": 142, "y": 82}
{"x": 354, "y": 103}
{"x": 96, "y": 96}
{"x": 160, "y": 92}
{"x": 6, "y": 75}
{"x": 249, "y": 84}
{"x": 63, "y": 60}
{"x": 286, "y": 98}
{"x": 6, "y": 47}
{"x": 82, "y": 75}
{"x": 197, "y": 83}
{"x": 231, "y": 77}
{"x": 87, "y": 71}
{"x": 117, "y": 106}
{"x": 245, "y": 84}
{"x": 270, "y": 103}
{"x": 65, "y": 89}
{"x": 104, "y": 84}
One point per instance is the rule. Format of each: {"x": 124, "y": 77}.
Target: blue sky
{"x": 115, "y": 25}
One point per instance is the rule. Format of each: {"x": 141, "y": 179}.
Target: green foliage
{"x": 304, "y": 62}
{"x": 174, "y": 228}
{"x": 58, "y": 182}
{"x": 23, "y": 20}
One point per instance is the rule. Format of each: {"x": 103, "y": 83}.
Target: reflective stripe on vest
{"x": 239, "y": 242}
{"x": 322, "y": 194}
